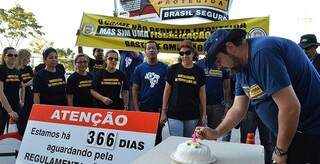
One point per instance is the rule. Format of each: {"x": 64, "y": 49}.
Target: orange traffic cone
{"x": 250, "y": 138}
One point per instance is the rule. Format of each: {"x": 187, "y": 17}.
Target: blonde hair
{"x": 22, "y": 55}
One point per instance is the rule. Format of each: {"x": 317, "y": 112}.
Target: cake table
{"x": 225, "y": 152}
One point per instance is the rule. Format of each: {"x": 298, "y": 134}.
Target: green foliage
{"x": 17, "y": 24}
{"x": 38, "y": 44}
{"x": 66, "y": 58}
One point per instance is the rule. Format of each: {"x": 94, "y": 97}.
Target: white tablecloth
{"x": 225, "y": 152}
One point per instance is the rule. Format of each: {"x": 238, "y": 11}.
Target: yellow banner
{"x": 127, "y": 34}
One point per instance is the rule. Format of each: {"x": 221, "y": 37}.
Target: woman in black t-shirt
{"x": 79, "y": 84}
{"x": 184, "y": 98}
{"x": 111, "y": 85}
{"x": 26, "y": 74}
{"x": 49, "y": 84}
{"x": 11, "y": 89}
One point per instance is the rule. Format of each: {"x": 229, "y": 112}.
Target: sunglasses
{"x": 111, "y": 58}
{"x": 181, "y": 53}
{"x": 12, "y": 55}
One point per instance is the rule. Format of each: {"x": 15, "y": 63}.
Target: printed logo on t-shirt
{"x": 110, "y": 81}
{"x": 56, "y": 82}
{"x": 253, "y": 92}
{"x": 26, "y": 76}
{"x": 153, "y": 78}
{"x": 186, "y": 79}
{"x": 12, "y": 78}
{"x": 85, "y": 83}
{"x": 98, "y": 66}
{"x": 215, "y": 73}
{"x": 128, "y": 61}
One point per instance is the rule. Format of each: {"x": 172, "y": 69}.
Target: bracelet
{"x": 279, "y": 152}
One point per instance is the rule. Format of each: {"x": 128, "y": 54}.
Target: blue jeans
{"x": 182, "y": 128}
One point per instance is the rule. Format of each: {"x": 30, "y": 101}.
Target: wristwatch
{"x": 279, "y": 152}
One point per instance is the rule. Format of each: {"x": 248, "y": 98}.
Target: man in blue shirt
{"x": 309, "y": 44}
{"x": 278, "y": 78}
{"x": 148, "y": 84}
{"x": 128, "y": 62}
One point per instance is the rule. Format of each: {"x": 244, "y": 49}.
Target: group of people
{"x": 272, "y": 74}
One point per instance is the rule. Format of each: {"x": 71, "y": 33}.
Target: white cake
{"x": 193, "y": 153}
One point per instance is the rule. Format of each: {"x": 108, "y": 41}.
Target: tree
{"x": 17, "y": 24}
{"x": 38, "y": 44}
{"x": 66, "y": 58}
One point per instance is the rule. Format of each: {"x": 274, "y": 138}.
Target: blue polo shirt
{"x": 151, "y": 80}
{"x": 275, "y": 63}
{"x": 129, "y": 63}
{"x": 214, "y": 82}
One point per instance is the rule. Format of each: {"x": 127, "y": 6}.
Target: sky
{"x": 61, "y": 18}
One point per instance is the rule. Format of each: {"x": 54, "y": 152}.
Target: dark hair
{"x": 152, "y": 41}
{"x": 188, "y": 44}
{"x": 236, "y": 41}
{"x": 47, "y": 51}
{"x": 111, "y": 51}
{"x": 96, "y": 49}
{"x": 4, "y": 52}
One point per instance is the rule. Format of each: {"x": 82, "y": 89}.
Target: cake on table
{"x": 193, "y": 152}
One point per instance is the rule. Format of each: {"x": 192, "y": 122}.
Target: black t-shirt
{"x": 27, "y": 75}
{"x": 184, "y": 100}
{"x": 51, "y": 86}
{"x": 95, "y": 65}
{"x": 11, "y": 79}
{"x": 42, "y": 66}
{"x": 110, "y": 85}
{"x": 79, "y": 86}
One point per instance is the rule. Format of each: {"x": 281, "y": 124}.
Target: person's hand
{"x": 163, "y": 118}
{"x": 206, "y": 133}
{"x": 279, "y": 159}
{"x": 107, "y": 101}
{"x": 14, "y": 115}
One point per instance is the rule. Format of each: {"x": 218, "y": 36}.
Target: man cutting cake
{"x": 277, "y": 77}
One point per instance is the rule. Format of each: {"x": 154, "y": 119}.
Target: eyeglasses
{"x": 12, "y": 55}
{"x": 111, "y": 58}
{"x": 181, "y": 53}
{"x": 82, "y": 62}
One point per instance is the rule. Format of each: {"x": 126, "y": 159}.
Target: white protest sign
{"x": 59, "y": 134}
